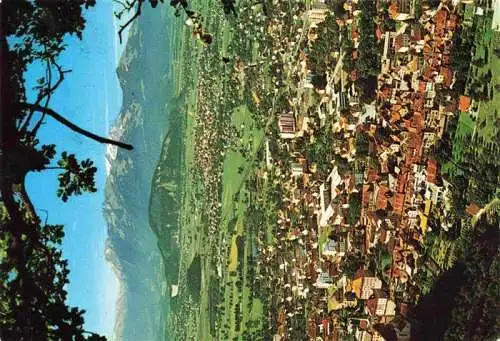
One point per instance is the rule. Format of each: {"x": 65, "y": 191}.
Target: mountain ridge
{"x": 131, "y": 247}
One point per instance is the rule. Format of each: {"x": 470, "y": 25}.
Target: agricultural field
{"x": 240, "y": 309}
{"x": 215, "y": 280}
{"x": 484, "y": 78}
{"x": 473, "y": 165}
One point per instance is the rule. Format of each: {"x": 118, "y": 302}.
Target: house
{"x": 330, "y": 248}
{"x": 364, "y": 335}
{"x": 340, "y": 300}
{"x": 383, "y": 193}
{"x": 297, "y": 169}
{"x": 464, "y": 103}
{"x": 435, "y": 193}
{"x": 307, "y": 82}
{"x": 343, "y": 101}
{"x": 286, "y": 124}
{"x": 423, "y": 222}
{"x": 327, "y": 193}
{"x": 416, "y": 33}
{"x": 401, "y": 10}
{"x": 432, "y": 168}
{"x": 317, "y": 13}
{"x": 472, "y": 209}
{"x": 445, "y": 76}
{"x": 336, "y": 248}
{"x": 364, "y": 285}
{"x": 402, "y": 327}
{"x": 440, "y": 20}
{"x": 174, "y": 290}
{"x": 381, "y": 306}
{"x": 429, "y": 139}
{"x": 398, "y": 203}
{"x": 400, "y": 274}
{"x": 302, "y": 125}
{"x": 401, "y": 43}
{"x": 324, "y": 281}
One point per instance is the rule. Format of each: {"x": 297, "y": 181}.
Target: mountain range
{"x": 145, "y": 76}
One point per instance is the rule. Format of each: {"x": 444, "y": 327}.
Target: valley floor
{"x": 271, "y": 240}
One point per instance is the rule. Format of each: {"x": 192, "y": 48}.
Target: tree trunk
{"x": 32, "y": 216}
{"x": 13, "y": 209}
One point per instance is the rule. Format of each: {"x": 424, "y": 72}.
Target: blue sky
{"x": 91, "y": 97}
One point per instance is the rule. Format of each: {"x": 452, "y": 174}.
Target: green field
{"x": 479, "y": 128}
{"x": 463, "y": 134}
{"x": 226, "y": 213}
{"x": 486, "y": 61}
{"x": 488, "y": 119}
{"x": 236, "y": 169}
{"x": 212, "y": 300}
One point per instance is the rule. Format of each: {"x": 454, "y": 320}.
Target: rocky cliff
{"x": 145, "y": 77}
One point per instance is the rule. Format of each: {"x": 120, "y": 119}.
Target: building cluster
{"x": 394, "y": 188}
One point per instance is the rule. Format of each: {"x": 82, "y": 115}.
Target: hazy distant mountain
{"x": 131, "y": 248}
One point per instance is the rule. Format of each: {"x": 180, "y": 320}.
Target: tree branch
{"x": 50, "y": 92}
{"x": 136, "y": 14}
{"x": 121, "y": 3}
{"x": 74, "y": 127}
{"x": 49, "y": 82}
{"x": 46, "y": 93}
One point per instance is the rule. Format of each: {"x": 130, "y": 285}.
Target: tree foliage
{"x": 463, "y": 303}
{"x": 76, "y": 178}
{"x": 351, "y": 263}
{"x": 368, "y": 63}
{"x": 463, "y": 44}
{"x": 33, "y": 272}
{"x": 33, "y": 277}
{"x": 322, "y": 52}
{"x": 354, "y": 207}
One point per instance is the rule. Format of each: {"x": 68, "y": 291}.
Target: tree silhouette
{"x": 76, "y": 178}
{"x": 39, "y": 30}
{"x": 134, "y": 7}
{"x": 33, "y": 273}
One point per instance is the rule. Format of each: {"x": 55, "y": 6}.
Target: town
{"x": 344, "y": 168}
{"x": 381, "y": 185}
{"x": 250, "y": 170}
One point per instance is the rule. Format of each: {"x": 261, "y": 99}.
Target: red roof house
{"x": 431, "y": 171}
{"x": 464, "y": 103}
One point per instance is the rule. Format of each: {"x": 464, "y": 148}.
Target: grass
{"x": 236, "y": 168}
{"x": 323, "y": 237}
{"x": 465, "y": 125}
{"x": 233, "y": 255}
{"x": 469, "y": 11}
{"x": 191, "y": 237}
{"x": 465, "y": 129}
{"x": 204, "y": 320}
{"x": 486, "y": 124}
{"x": 488, "y": 111}
{"x": 232, "y": 179}
{"x": 193, "y": 240}
{"x": 487, "y": 40}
